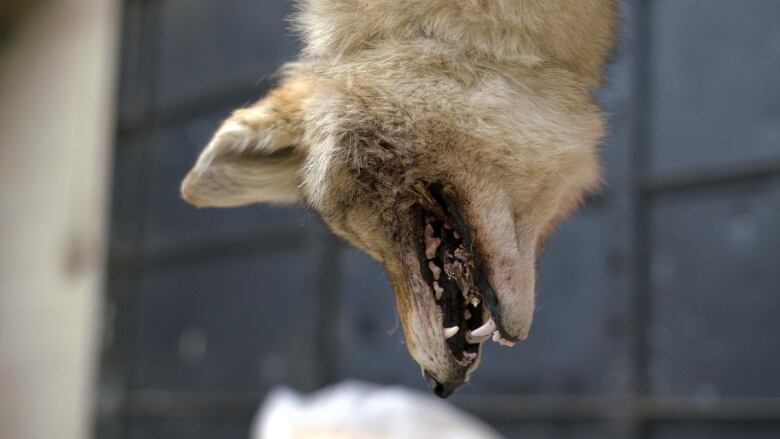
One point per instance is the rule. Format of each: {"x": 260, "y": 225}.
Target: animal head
{"x": 448, "y": 167}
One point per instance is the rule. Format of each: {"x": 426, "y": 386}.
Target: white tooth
{"x": 435, "y": 270}
{"x": 467, "y": 315}
{"x": 450, "y": 332}
{"x": 456, "y": 234}
{"x": 438, "y": 291}
{"x": 501, "y": 340}
{"x": 475, "y": 301}
{"x": 485, "y": 329}
{"x": 431, "y": 245}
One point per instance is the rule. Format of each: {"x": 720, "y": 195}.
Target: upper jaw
{"x": 451, "y": 272}
{"x": 489, "y": 298}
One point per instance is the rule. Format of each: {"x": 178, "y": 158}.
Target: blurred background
{"x": 125, "y": 313}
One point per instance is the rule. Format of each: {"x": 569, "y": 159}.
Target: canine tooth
{"x": 501, "y": 340}
{"x": 485, "y": 329}
{"x": 435, "y": 270}
{"x": 431, "y": 245}
{"x": 456, "y": 234}
{"x": 475, "y": 301}
{"x": 467, "y": 315}
{"x": 438, "y": 291}
{"x": 450, "y": 332}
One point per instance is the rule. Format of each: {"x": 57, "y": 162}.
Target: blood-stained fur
{"x": 473, "y": 116}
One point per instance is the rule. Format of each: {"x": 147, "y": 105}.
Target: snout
{"x": 456, "y": 284}
{"x": 447, "y": 307}
{"x": 441, "y": 389}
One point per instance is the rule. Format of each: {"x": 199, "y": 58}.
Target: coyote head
{"x": 449, "y": 167}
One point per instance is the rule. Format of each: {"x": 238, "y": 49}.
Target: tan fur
{"x": 490, "y": 97}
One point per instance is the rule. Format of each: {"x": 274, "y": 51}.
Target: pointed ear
{"x": 255, "y": 157}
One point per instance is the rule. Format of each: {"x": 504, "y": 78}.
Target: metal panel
{"x": 371, "y": 344}
{"x": 574, "y": 341}
{"x": 716, "y": 100}
{"x": 151, "y": 429}
{"x": 130, "y": 168}
{"x": 209, "y": 47}
{"x": 715, "y": 296}
{"x": 716, "y": 431}
{"x": 539, "y": 430}
{"x": 231, "y": 324}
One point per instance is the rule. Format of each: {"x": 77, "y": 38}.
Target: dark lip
{"x": 490, "y": 298}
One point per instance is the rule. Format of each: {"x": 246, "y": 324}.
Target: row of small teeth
{"x": 438, "y": 290}
{"x": 455, "y": 233}
{"x": 468, "y": 359}
{"x": 476, "y": 336}
{"x": 480, "y": 334}
{"x": 431, "y": 245}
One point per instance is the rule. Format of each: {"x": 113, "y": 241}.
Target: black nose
{"x": 439, "y": 389}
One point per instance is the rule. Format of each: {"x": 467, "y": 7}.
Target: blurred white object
{"x": 360, "y": 410}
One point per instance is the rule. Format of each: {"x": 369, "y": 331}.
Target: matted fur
{"x": 490, "y": 97}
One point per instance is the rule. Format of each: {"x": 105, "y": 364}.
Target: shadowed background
{"x": 658, "y": 305}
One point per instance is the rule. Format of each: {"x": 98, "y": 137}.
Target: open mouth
{"x": 451, "y": 267}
